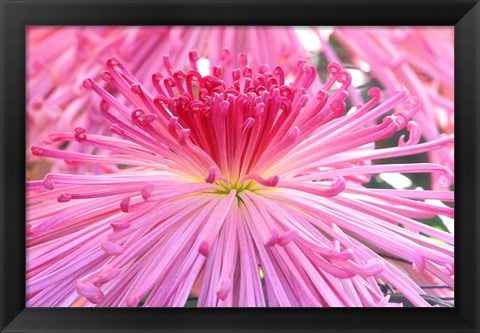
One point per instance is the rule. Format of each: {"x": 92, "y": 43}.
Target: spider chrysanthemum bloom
{"x": 418, "y": 58}
{"x": 59, "y": 59}
{"x": 249, "y": 194}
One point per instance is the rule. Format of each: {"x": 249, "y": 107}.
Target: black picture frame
{"x": 16, "y": 14}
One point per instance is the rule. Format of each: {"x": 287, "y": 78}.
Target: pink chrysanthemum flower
{"x": 420, "y": 59}
{"x": 248, "y": 194}
{"x": 59, "y": 58}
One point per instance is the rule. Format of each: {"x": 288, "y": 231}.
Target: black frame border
{"x": 16, "y": 14}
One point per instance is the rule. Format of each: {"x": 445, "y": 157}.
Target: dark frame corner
{"x": 16, "y": 14}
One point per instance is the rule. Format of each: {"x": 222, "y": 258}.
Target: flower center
{"x": 238, "y": 186}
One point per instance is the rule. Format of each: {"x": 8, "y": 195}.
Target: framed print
{"x": 237, "y": 166}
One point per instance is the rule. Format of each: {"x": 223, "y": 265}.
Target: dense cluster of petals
{"x": 241, "y": 185}
{"x": 59, "y": 59}
{"x": 420, "y": 59}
